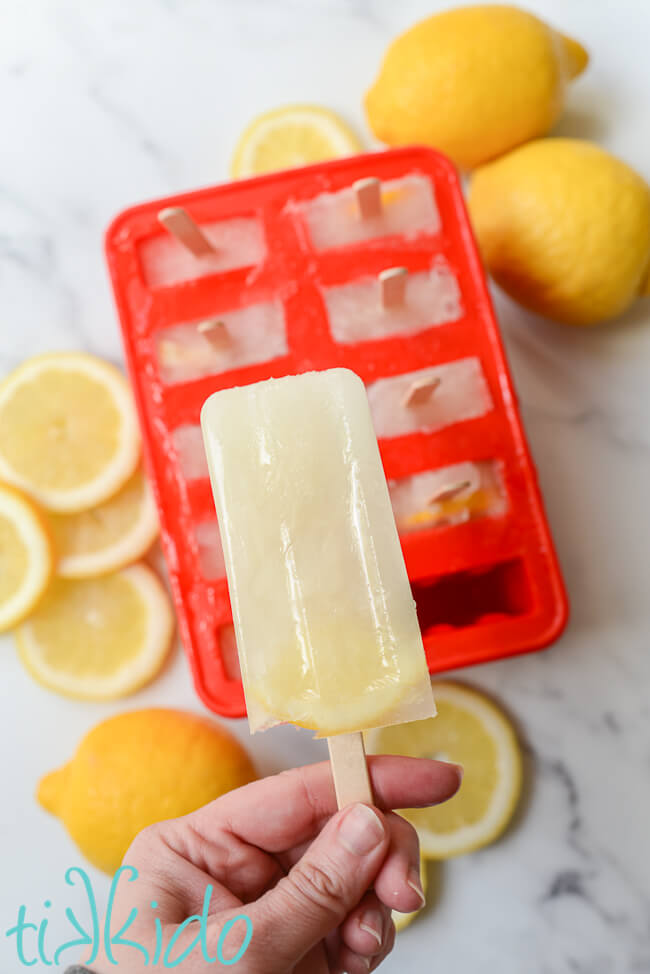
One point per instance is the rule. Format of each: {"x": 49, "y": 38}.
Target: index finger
{"x": 279, "y": 812}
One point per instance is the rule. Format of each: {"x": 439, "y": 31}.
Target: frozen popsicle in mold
{"x": 326, "y": 626}
{"x": 406, "y": 207}
{"x": 358, "y": 313}
{"x": 211, "y": 560}
{"x": 249, "y": 335}
{"x": 165, "y": 260}
{"x": 429, "y": 399}
{"x": 449, "y": 495}
{"x": 190, "y": 452}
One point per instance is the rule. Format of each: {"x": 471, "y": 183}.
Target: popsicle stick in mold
{"x": 350, "y": 769}
{"x": 368, "y": 195}
{"x": 421, "y": 391}
{"x": 450, "y": 492}
{"x": 180, "y": 224}
{"x": 392, "y": 285}
{"x": 215, "y": 331}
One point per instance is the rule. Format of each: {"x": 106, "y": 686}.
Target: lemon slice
{"x": 108, "y": 537}
{"x": 295, "y": 135}
{"x": 469, "y": 730}
{"x": 402, "y": 920}
{"x": 68, "y": 430}
{"x": 98, "y": 639}
{"x": 26, "y": 556}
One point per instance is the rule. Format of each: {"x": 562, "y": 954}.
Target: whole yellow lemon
{"x": 564, "y": 228}
{"x": 473, "y": 82}
{"x": 137, "y": 769}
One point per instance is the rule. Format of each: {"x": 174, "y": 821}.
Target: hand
{"x": 318, "y": 885}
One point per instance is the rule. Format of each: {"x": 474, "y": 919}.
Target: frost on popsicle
{"x": 406, "y": 207}
{"x": 447, "y": 496}
{"x": 225, "y": 341}
{"x": 235, "y": 243}
{"x": 326, "y": 626}
{"x": 358, "y": 312}
{"x": 429, "y": 399}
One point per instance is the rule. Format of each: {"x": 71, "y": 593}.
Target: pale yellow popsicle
{"x": 326, "y": 627}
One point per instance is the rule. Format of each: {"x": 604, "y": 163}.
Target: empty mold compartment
{"x": 229, "y": 340}
{"x": 370, "y": 209}
{"x": 358, "y": 311}
{"x": 231, "y": 244}
{"x": 448, "y": 496}
{"x": 429, "y": 399}
{"x": 466, "y": 598}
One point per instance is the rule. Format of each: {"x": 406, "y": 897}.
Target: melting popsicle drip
{"x": 180, "y": 224}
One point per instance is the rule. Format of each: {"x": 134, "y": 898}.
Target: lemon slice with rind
{"x": 295, "y": 135}
{"x": 68, "y": 430}
{"x": 472, "y": 731}
{"x": 109, "y": 536}
{"x": 26, "y": 556}
{"x": 98, "y": 639}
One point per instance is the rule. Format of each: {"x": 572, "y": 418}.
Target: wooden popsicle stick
{"x": 421, "y": 391}
{"x": 350, "y": 769}
{"x": 214, "y": 330}
{"x": 180, "y": 224}
{"x": 368, "y": 194}
{"x": 448, "y": 493}
{"x": 392, "y": 284}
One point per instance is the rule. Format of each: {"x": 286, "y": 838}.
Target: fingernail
{"x": 360, "y": 830}
{"x": 460, "y": 770}
{"x": 415, "y": 883}
{"x": 371, "y": 922}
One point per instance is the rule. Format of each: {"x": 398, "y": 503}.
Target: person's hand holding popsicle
{"x": 317, "y": 886}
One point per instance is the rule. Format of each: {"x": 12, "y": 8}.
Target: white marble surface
{"x": 107, "y": 102}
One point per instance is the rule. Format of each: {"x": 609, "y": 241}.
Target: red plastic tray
{"x": 485, "y": 589}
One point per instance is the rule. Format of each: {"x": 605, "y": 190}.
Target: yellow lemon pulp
{"x": 98, "y": 638}
{"x": 136, "y": 769}
{"x": 564, "y": 228}
{"x": 68, "y": 431}
{"x": 26, "y": 556}
{"x": 109, "y": 536}
{"x": 468, "y": 730}
{"x": 473, "y": 82}
{"x": 294, "y": 135}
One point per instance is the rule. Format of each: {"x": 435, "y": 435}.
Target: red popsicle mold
{"x": 485, "y": 589}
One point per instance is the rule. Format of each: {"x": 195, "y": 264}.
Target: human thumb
{"x": 321, "y": 889}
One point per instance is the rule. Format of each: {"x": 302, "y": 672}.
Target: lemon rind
{"x": 125, "y": 551}
{"x": 35, "y": 534}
